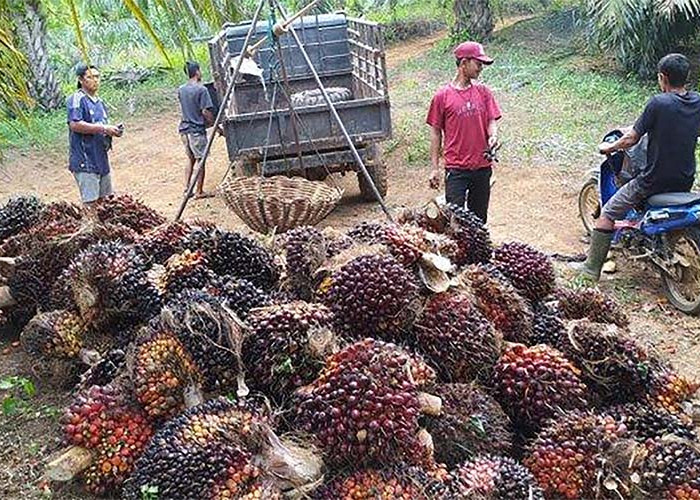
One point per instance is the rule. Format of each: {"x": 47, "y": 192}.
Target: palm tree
{"x": 473, "y": 19}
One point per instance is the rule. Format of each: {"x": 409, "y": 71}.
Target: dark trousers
{"x": 474, "y": 186}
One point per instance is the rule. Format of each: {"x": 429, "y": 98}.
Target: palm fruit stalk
{"x": 238, "y": 294}
{"x": 287, "y": 346}
{"x": 305, "y": 251}
{"x": 535, "y": 383}
{"x": 500, "y": 302}
{"x": 570, "y": 457}
{"x": 590, "y": 303}
{"x": 113, "y": 431}
{"x": 372, "y": 295}
{"x": 547, "y": 326}
{"x": 126, "y": 211}
{"x": 471, "y": 423}
{"x": 668, "y": 469}
{"x": 19, "y": 214}
{"x": 364, "y": 406}
{"x": 456, "y": 338}
{"x": 646, "y": 422}
{"x": 494, "y": 476}
{"x": 183, "y": 270}
{"x": 528, "y": 269}
{"x": 221, "y": 449}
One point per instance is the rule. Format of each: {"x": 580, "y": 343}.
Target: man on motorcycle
{"x": 672, "y": 121}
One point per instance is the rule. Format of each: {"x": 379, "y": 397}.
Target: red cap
{"x": 472, "y": 50}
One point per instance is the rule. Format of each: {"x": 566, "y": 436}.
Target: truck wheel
{"x": 377, "y": 171}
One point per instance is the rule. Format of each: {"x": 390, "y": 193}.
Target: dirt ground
{"x": 535, "y": 204}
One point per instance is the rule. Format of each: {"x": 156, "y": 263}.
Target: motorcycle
{"x": 665, "y": 231}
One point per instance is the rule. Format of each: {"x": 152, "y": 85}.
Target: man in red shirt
{"x": 464, "y": 114}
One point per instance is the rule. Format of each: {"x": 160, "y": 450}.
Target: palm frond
{"x": 141, "y": 17}
{"x": 75, "y": 19}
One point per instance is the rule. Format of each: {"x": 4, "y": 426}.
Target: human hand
{"x": 220, "y": 130}
{"x": 493, "y": 141}
{"x": 434, "y": 181}
{"x": 113, "y": 131}
{"x": 606, "y": 148}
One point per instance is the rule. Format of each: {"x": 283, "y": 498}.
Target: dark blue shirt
{"x": 88, "y": 152}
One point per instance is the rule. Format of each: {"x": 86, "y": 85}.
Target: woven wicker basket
{"x": 278, "y": 203}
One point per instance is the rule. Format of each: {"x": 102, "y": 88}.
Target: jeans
{"x": 474, "y": 186}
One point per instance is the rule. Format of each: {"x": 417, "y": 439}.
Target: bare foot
{"x": 202, "y": 195}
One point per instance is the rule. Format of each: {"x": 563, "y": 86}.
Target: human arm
{"x": 83, "y": 127}
{"x": 629, "y": 139}
{"x": 206, "y": 106}
{"x": 208, "y": 117}
{"x": 435, "y": 150}
{"x": 632, "y": 135}
{"x": 492, "y": 133}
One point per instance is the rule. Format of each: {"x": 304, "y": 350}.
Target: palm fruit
{"x": 569, "y": 456}
{"x": 456, "y": 338}
{"x": 471, "y": 423}
{"x": 336, "y": 241}
{"x": 183, "y": 270}
{"x": 287, "y": 346}
{"x": 647, "y": 422}
{"x": 364, "y": 406}
{"x": 159, "y": 243}
{"x": 116, "y": 432}
{"x": 372, "y": 295}
{"x": 534, "y": 383}
{"x": 18, "y": 214}
{"x": 407, "y": 243}
{"x": 500, "y": 302}
{"x": 105, "y": 370}
{"x": 471, "y": 235}
{"x": 547, "y": 326}
{"x": 669, "y": 389}
{"x": 305, "y": 251}
{"x": 493, "y": 476}
{"x": 109, "y": 283}
{"x": 126, "y": 211}
{"x": 392, "y": 483}
{"x": 369, "y": 233}
{"x": 669, "y": 470}
{"x": 56, "y": 334}
{"x": 236, "y": 255}
{"x": 528, "y": 269}
{"x": 592, "y": 304}
{"x": 239, "y": 295}
{"x": 163, "y": 373}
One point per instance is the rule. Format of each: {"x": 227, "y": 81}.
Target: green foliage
{"x": 17, "y": 391}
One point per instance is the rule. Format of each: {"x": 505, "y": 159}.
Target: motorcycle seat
{"x": 673, "y": 199}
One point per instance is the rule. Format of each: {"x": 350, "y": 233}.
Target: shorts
{"x": 195, "y": 144}
{"x": 629, "y": 196}
{"x": 93, "y": 186}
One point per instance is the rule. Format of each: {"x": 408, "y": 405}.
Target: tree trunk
{"x": 31, "y": 32}
{"x": 473, "y": 19}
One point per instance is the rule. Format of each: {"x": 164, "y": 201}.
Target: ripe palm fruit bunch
{"x": 648, "y": 422}
{"x": 372, "y": 295}
{"x": 116, "y": 432}
{"x": 238, "y": 294}
{"x": 493, "y": 476}
{"x": 592, "y": 304}
{"x": 471, "y": 423}
{"x": 55, "y": 334}
{"x": 612, "y": 363}
{"x": 392, "y": 483}
{"x": 163, "y": 373}
{"x": 237, "y": 255}
{"x": 547, "y": 326}
{"x": 500, "y": 302}
{"x": 126, "y": 211}
{"x": 159, "y": 243}
{"x": 55, "y": 220}
{"x": 570, "y": 455}
{"x": 534, "y": 383}
{"x": 287, "y": 346}
{"x": 184, "y": 270}
{"x": 456, "y": 338}
{"x": 19, "y": 214}
{"x": 105, "y": 370}
{"x": 369, "y": 233}
{"x": 669, "y": 470}
{"x": 406, "y": 243}
{"x": 528, "y": 269}
{"x": 364, "y": 406}
{"x": 336, "y": 241}
{"x": 109, "y": 283}
{"x": 669, "y": 389}
{"x": 471, "y": 235}
{"x": 305, "y": 251}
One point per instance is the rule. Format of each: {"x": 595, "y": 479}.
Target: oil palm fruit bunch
{"x": 534, "y": 383}
{"x": 372, "y": 295}
{"x": 669, "y": 389}
{"x": 287, "y": 346}
{"x": 547, "y": 326}
{"x": 126, "y": 211}
{"x": 116, "y": 432}
{"x": 528, "y": 269}
{"x": 470, "y": 423}
{"x": 163, "y": 373}
{"x": 364, "y": 406}
{"x": 472, "y": 237}
{"x": 305, "y": 251}
{"x": 571, "y": 454}
{"x": 105, "y": 371}
{"x": 592, "y": 304}
{"x": 232, "y": 253}
{"x": 369, "y": 233}
{"x": 500, "y": 302}
{"x": 494, "y": 476}
{"x": 456, "y": 338}
{"x": 19, "y": 214}
{"x": 184, "y": 270}
{"x": 669, "y": 469}
{"x": 55, "y": 334}
{"x": 407, "y": 243}
{"x": 238, "y": 294}
{"x": 109, "y": 283}
{"x": 55, "y": 220}
{"x": 159, "y": 243}
{"x": 648, "y": 422}
{"x": 336, "y": 241}
{"x": 612, "y": 363}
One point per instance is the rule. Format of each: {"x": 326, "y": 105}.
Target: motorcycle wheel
{"x": 589, "y": 204}
{"x": 683, "y": 285}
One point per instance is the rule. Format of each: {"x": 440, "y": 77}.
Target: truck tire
{"x": 377, "y": 171}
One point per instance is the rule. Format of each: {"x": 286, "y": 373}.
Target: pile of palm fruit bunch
{"x": 414, "y": 359}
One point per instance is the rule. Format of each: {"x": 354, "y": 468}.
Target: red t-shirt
{"x": 464, "y": 116}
